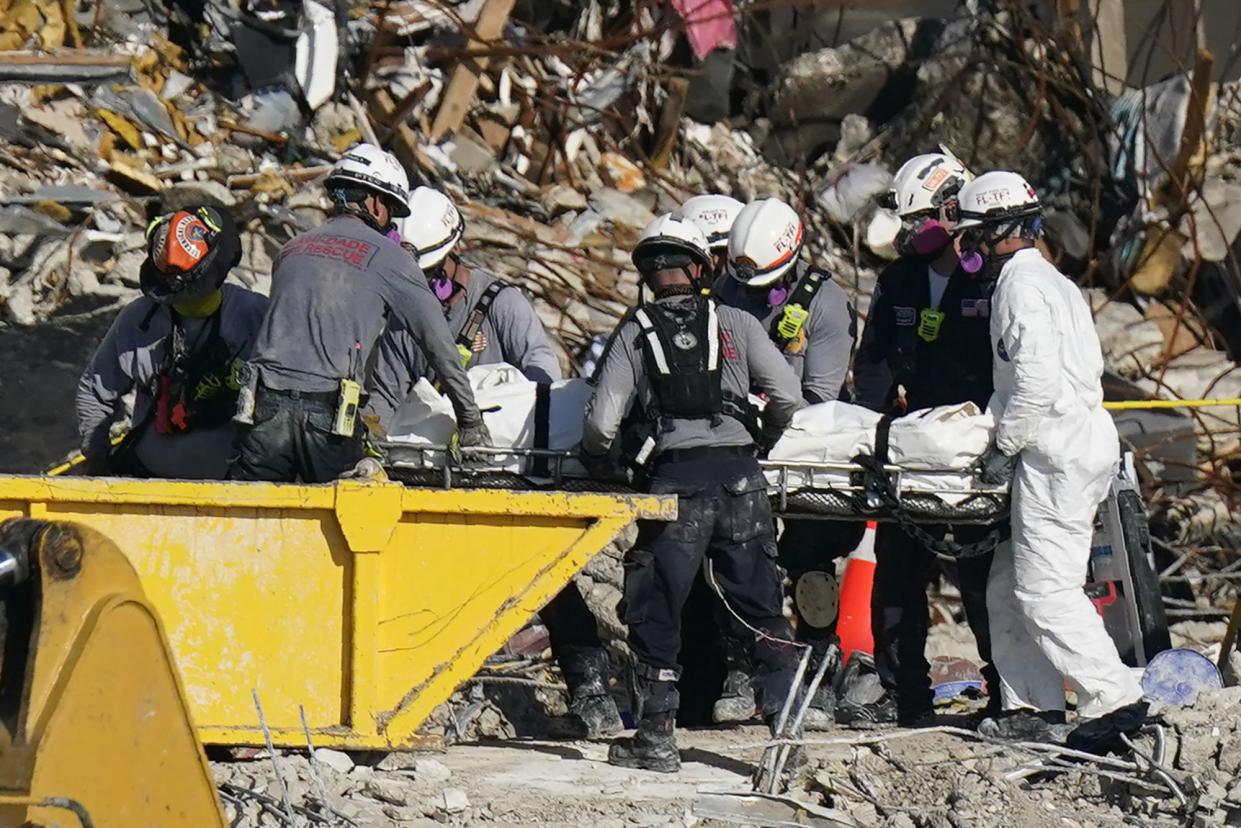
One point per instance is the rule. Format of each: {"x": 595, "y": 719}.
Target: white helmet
{"x": 765, "y": 241}
{"x": 433, "y": 227}
{"x": 366, "y": 165}
{"x": 714, "y": 215}
{"x": 996, "y": 197}
{"x": 670, "y": 241}
{"x": 925, "y": 182}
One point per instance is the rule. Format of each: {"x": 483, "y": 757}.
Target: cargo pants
{"x": 724, "y": 517}
{"x": 292, "y": 440}
{"x": 900, "y": 613}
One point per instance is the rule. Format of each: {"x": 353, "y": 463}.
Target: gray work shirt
{"x": 130, "y": 357}
{"x": 511, "y": 332}
{"x": 333, "y": 290}
{"x": 749, "y": 361}
{"x": 821, "y": 359}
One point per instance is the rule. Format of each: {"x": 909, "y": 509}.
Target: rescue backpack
{"x": 681, "y": 350}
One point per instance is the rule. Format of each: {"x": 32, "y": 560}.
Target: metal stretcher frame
{"x": 423, "y": 465}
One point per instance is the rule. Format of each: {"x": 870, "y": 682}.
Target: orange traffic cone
{"x": 853, "y": 625}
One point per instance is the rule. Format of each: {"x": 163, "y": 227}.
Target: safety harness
{"x": 682, "y": 355}
{"x": 197, "y": 385}
{"x": 468, "y": 337}
{"x": 787, "y": 327}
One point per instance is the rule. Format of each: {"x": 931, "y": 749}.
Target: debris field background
{"x": 561, "y": 128}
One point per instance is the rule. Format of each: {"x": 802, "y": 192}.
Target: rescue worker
{"x": 687, "y": 366}
{"x": 493, "y": 322}
{"x": 490, "y": 320}
{"x": 1059, "y": 446}
{"x": 926, "y": 343}
{"x": 809, "y": 318}
{"x": 177, "y": 347}
{"x": 332, "y": 290}
{"x": 714, "y": 214}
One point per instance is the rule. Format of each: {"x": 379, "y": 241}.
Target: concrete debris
{"x": 431, "y": 770}
{"x": 385, "y": 790}
{"x": 334, "y": 759}
{"x": 455, "y": 801}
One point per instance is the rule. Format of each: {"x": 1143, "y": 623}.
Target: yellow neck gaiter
{"x": 201, "y": 308}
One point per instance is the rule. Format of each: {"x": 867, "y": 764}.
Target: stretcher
{"x": 816, "y": 491}
{"x": 835, "y": 462}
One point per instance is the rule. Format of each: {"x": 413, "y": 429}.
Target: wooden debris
{"x": 459, "y": 93}
{"x": 621, "y": 173}
{"x": 296, "y": 175}
{"x": 123, "y": 127}
{"x": 669, "y": 123}
{"x": 132, "y": 180}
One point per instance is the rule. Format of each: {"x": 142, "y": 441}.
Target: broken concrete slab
{"x": 337, "y": 760}
{"x": 17, "y": 219}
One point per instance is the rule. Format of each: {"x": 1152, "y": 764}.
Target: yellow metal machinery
{"x": 94, "y": 726}
{"x": 364, "y": 603}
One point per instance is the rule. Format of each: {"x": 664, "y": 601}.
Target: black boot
{"x": 736, "y": 702}
{"x": 1101, "y": 736}
{"x": 653, "y": 747}
{"x": 586, "y": 673}
{"x": 1027, "y": 726}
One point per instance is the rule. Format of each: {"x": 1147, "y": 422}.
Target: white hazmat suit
{"x": 1048, "y": 407}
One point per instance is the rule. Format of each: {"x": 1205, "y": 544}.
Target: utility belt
{"x": 739, "y": 408}
{"x": 346, "y": 399}
{"x": 311, "y": 396}
{"x": 701, "y": 453}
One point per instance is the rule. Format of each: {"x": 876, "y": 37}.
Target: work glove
{"x": 95, "y": 465}
{"x": 996, "y": 467}
{"x": 600, "y": 466}
{"x": 764, "y": 444}
{"x": 368, "y": 468}
{"x": 468, "y": 436}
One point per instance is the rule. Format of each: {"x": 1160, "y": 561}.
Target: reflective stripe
{"x": 657, "y": 348}
{"x": 713, "y": 338}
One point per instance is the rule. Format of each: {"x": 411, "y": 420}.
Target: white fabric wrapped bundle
{"x": 929, "y": 445}
{"x": 507, "y": 400}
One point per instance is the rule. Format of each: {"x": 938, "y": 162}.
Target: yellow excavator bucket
{"x": 94, "y": 727}
{"x": 364, "y": 603}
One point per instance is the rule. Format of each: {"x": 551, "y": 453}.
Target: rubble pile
{"x": 326, "y": 787}
{"x": 1184, "y": 771}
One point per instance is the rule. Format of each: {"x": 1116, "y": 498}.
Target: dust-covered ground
{"x": 939, "y": 778}
{"x": 883, "y": 777}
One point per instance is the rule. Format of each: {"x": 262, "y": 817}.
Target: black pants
{"x": 574, "y": 636}
{"x": 292, "y": 440}
{"x": 814, "y": 544}
{"x": 804, "y": 545}
{"x": 900, "y": 613}
{"x": 724, "y": 517}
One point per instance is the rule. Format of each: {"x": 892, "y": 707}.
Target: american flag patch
{"x": 975, "y": 307}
